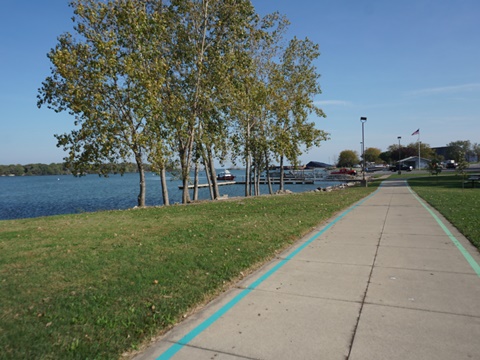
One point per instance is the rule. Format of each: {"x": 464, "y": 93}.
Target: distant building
{"x": 316, "y": 164}
{"x": 441, "y": 151}
{"x": 472, "y": 157}
{"x": 413, "y": 162}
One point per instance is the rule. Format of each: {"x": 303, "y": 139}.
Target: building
{"x": 441, "y": 151}
{"x": 413, "y": 162}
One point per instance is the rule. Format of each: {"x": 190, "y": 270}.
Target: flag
{"x": 416, "y": 132}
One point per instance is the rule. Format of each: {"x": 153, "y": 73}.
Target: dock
{"x": 295, "y": 181}
{"x": 220, "y": 183}
{"x": 288, "y": 181}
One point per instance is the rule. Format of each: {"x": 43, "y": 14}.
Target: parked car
{"x": 451, "y": 164}
{"x": 402, "y": 167}
{"x": 344, "y": 171}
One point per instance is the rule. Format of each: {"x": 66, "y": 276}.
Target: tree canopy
{"x": 457, "y": 150}
{"x": 348, "y": 158}
{"x": 394, "y": 153}
{"x": 177, "y": 83}
{"x": 372, "y": 155}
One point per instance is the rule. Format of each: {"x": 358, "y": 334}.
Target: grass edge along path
{"x": 459, "y": 205}
{"x": 97, "y": 285}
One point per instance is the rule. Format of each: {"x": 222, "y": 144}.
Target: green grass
{"x": 96, "y": 285}
{"x": 459, "y": 205}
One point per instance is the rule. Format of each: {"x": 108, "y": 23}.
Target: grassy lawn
{"x": 461, "y": 206}
{"x": 95, "y": 285}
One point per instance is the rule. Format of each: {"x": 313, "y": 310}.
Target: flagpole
{"x": 418, "y": 168}
{"x": 418, "y": 141}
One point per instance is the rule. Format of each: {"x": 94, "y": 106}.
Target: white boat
{"x": 225, "y": 175}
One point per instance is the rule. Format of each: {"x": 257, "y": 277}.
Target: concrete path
{"x": 384, "y": 280}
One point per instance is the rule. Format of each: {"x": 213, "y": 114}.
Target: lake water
{"x": 35, "y": 196}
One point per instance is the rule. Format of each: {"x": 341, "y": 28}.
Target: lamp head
{"x": 363, "y": 119}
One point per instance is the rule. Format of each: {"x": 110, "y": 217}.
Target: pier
{"x": 262, "y": 182}
{"x": 297, "y": 181}
{"x": 287, "y": 181}
{"x": 220, "y": 183}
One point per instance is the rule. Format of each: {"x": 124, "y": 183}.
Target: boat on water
{"x": 225, "y": 175}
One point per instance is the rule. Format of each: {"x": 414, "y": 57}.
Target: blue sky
{"x": 402, "y": 64}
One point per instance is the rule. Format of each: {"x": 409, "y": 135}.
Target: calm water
{"x": 34, "y": 196}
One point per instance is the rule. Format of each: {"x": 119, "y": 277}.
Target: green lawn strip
{"x": 94, "y": 285}
{"x": 460, "y": 205}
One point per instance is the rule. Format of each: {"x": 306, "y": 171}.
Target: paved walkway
{"x": 384, "y": 280}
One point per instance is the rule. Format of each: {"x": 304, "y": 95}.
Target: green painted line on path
{"x": 455, "y": 241}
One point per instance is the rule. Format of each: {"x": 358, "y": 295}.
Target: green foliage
{"x": 62, "y": 169}
{"x": 16, "y": 170}
{"x": 33, "y": 169}
{"x": 109, "y": 76}
{"x": 456, "y": 150}
{"x": 295, "y": 83}
{"x": 462, "y": 164}
{"x": 252, "y": 96}
{"x": 476, "y": 150}
{"x": 348, "y": 158}
{"x": 402, "y": 152}
{"x": 386, "y": 157}
{"x": 92, "y": 286}
{"x": 411, "y": 149}
{"x": 434, "y": 167}
{"x": 425, "y": 150}
{"x": 372, "y": 155}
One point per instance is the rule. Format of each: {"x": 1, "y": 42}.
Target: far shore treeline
{"x": 58, "y": 169}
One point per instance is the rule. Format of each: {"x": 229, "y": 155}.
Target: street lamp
{"x": 363, "y": 120}
{"x": 399, "y": 166}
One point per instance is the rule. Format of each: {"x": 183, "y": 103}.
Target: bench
{"x": 472, "y": 180}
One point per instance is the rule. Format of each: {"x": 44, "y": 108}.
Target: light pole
{"x": 363, "y": 120}
{"x": 399, "y": 166}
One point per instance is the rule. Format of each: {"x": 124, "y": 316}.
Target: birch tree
{"x": 252, "y": 95}
{"x": 203, "y": 35}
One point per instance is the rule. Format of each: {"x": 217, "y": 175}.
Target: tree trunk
{"x": 206, "y": 165}
{"x": 252, "y": 179}
{"x": 247, "y": 175}
{"x": 257, "y": 181}
{"x": 141, "y": 172}
{"x": 282, "y": 174}
{"x": 267, "y": 168}
{"x": 184, "y": 163}
{"x": 213, "y": 174}
{"x": 163, "y": 179}
{"x": 248, "y": 162}
{"x": 195, "y": 183}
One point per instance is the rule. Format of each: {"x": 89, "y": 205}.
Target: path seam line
{"x": 362, "y": 303}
